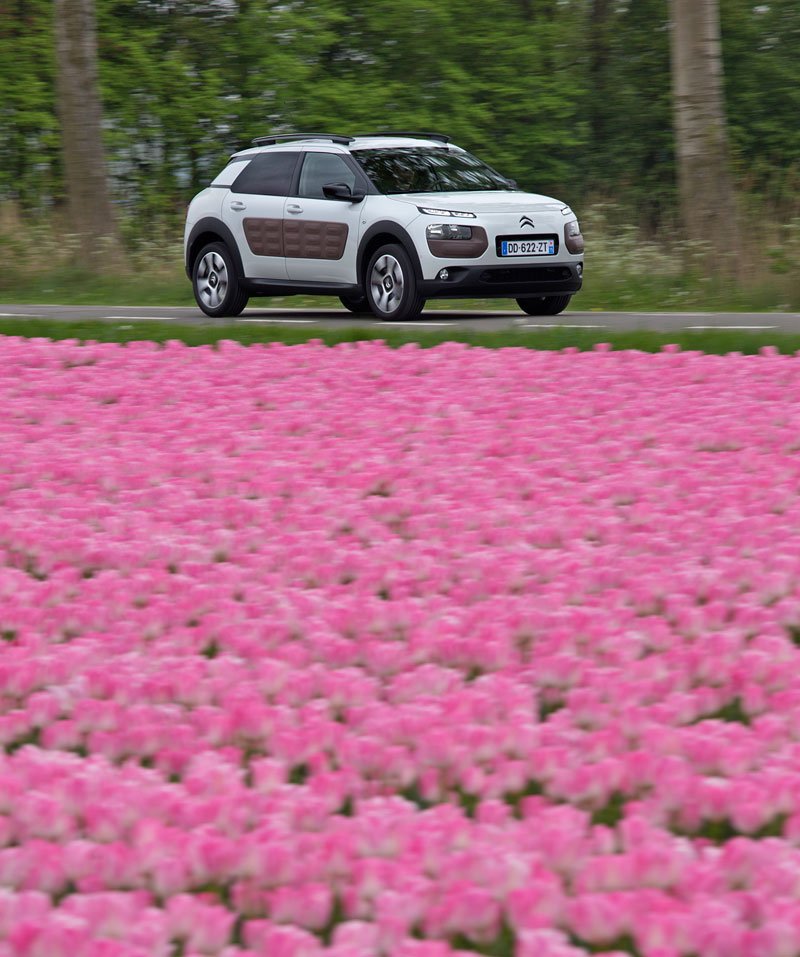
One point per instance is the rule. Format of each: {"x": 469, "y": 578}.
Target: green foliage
{"x": 732, "y": 712}
{"x": 629, "y": 105}
{"x": 761, "y": 52}
{"x": 29, "y": 143}
{"x": 721, "y": 830}
{"x": 612, "y": 813}
{"x": 623, "y": 945}
{"x": 503, "y": 945}
{"x": 569, "y": 97}
{"x": 793, "y": 632}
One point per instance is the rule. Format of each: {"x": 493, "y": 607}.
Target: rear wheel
{"x": 544, "y": 305}
{"x": 391, "y": 286}
{"x": 216, "y": 286}
{"x": 355, "y": 304}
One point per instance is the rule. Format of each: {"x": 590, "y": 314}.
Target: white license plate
{"x": 528, "y": 247}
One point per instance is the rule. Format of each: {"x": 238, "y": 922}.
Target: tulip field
{"x": 371, "y": 652}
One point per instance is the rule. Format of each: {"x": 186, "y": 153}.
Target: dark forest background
{"x": 565, "y": 95}
{"x": 569, "y": 97}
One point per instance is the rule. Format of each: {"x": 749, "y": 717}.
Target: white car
{"x": 383, "y": 221}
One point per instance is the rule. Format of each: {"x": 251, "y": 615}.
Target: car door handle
{"x": 294, "y": 208}
{"x": 238, "y": 205}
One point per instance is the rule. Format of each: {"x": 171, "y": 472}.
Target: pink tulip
{"x": 265, "y": 937}
{"x": 314, "y": 651}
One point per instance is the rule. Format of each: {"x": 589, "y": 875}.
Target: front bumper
{"x": 505, "y": 282}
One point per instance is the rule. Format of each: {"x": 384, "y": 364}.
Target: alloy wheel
{"x": 212, "y": 279}
{"x": 387, "y": 284}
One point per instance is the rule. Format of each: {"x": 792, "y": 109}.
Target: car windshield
{"x": 428, "y": 170}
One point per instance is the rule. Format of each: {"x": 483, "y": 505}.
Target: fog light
{"x": 580, "y": 270}
{"x": 444, "y": 275}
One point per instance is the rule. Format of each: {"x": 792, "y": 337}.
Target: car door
{"x": 321, "y": 235}
{"x": 253, "y": 211}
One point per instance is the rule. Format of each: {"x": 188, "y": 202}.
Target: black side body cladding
{"x": 387, "y": 228}
{"x": 210, "y": 224}
{"x": 296, "y": 287}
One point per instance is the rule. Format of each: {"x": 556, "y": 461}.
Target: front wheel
{"x": 215, "y": 283}
{"x": 391, "y": 285}
{"x": 544, "y": 305}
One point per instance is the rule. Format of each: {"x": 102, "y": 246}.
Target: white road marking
{"x": 414, "y": 324}
{"x": 731, "y": 327}
{"x": 557, "y": 325}
{"x": 25, "y": 315}
{"x": 144, "y": 318}
{"x": 274, "y": 321}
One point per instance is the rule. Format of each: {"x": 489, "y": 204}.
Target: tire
{"x": 215, "y": 283}
{"x": 544, "y": 305}
{"x": 389, "y": 269}
{"x": 356, "y": 304}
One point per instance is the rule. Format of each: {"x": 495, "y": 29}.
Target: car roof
{"x": 373, "y": 142}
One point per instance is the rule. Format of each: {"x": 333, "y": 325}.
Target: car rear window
{"x": 269, "y": 174}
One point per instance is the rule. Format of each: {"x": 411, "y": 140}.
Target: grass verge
{"x": 625, "y": 271}
{"x": 604, "y": 291}
{"x": 720, "y": 342}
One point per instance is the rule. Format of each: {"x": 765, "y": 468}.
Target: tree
{"x": 761, "y": 46}
{"x": 570, "y": 97}
{"x": 707, "y": 200}
{"x": 91, "y": 213}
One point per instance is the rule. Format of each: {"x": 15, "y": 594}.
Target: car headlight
{"x": 430, "y": 211}
{"x": 573, "y": 237}
{"x": 448, "y": 231}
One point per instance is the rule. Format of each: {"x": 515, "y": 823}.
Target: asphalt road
{"x": 432, "y": 318}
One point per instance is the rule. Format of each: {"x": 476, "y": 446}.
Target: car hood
{"x": 497, "y": 201}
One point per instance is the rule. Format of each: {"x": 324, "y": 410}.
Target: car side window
{"x": 322, "y": 169}
{"x": 269, "y": 174}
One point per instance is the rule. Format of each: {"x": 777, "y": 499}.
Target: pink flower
{"x": 307, "y": 905}
{"x": 296, "y": 665}
{"x": 287, "y": 941}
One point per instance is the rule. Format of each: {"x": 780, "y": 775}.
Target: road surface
{"x": 431, "y": 319}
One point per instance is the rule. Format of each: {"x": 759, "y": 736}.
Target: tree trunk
{"x": 91, "y": 214}
{"x": 708, "y": 203}
{"x": 600, "y": 103}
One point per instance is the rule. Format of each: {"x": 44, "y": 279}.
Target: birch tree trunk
{"x": 708, "y": 203}
{"x": 91, "y": 214}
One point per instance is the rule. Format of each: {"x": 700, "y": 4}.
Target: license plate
{"x": 528, "y": 247}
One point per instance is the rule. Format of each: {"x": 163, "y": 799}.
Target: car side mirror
{"x": 342, "y": 192}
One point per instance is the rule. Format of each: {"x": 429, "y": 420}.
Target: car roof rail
{"x": 438, "y": 137}
{"x": 290, "y": 137}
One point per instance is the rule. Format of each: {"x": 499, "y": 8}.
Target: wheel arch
{"x": 211, "y": 230}
{"x": 379, "y": 234}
